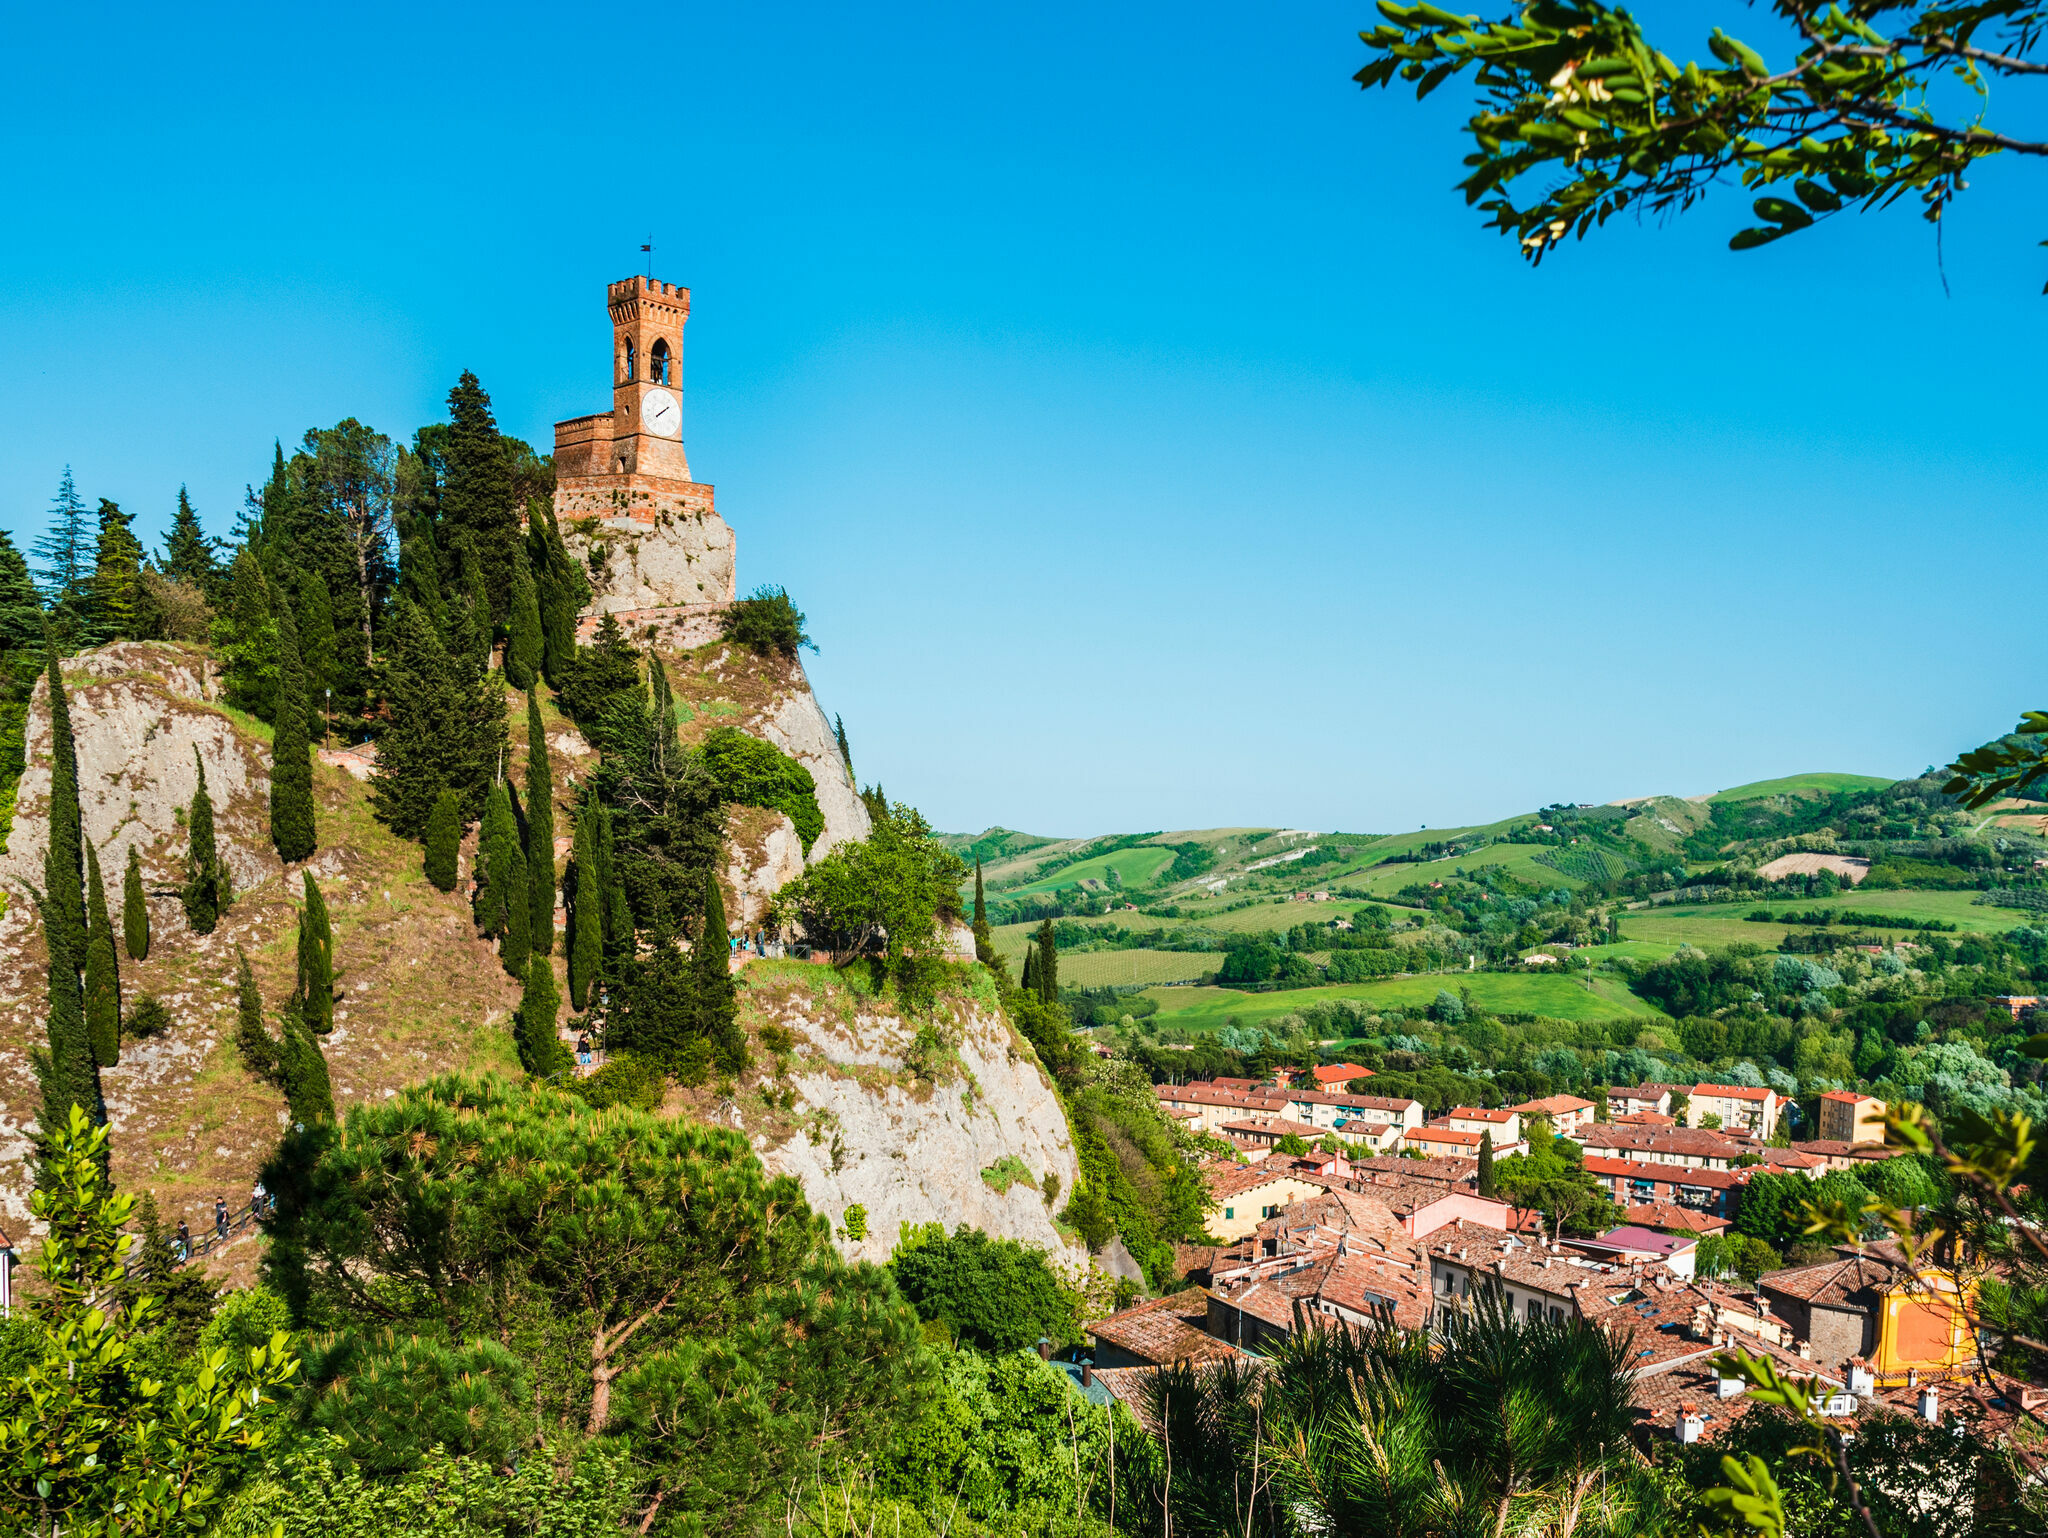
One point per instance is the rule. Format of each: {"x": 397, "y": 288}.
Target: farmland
{"x": 1503, "y": 992}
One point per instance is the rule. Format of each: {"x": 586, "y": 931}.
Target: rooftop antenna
{"x": 649, "y": 249}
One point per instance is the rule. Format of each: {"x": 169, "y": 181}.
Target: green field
{"x": 1802, "y": 784}
{"x": 1519, "y": 860}
{"x": 1559, "y": 997}
{"x": 1136, "y": 867}
{"x": 1121, "y": 969}
{"x": 1712, "y": 924}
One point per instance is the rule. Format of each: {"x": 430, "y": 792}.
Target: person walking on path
{"x": 583, "y": 1049}
{"x": 259, "y": 1199}
{"x": 220, "y": 1218}
{"x": 184, "y": 1241}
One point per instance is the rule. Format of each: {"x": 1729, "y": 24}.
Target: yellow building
{"x": 1846, "y": 1117}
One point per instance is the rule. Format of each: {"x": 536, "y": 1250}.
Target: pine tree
{"x": 116, "y": 578}
{"x": 245, "y": 639}
{"x": 315, "y": 615}
{"x": 1048, "y": 964}
{"x": 523, "y": 642}
{"x": 188, "y": 555}
{"x": 586, "y": 911}
{"x": 291, "y": 754}
{"x": 540, "y": 833}
{"x": 444, "y": 840}
{"x": 102, "y": 970}
{"x": 257, "y": 1046}
{"x": 1486, "y": 1181}
{"x": 502, "y": 904}
{"x": 877, "y": 803}
{"x": 65, "y": 551}
{"x": 67, "y": 1073}
{"x": 846, "y": 753}
{"x": 446, "y": 728}
{"x": 714, "y": 1001}
{"x": 21, "y": 609}
{"x": 541, "y": 1052}
{"x": 562, "y": 587}
{"x": 135, "y": 908}
{"x": 206, "y": 892}
{"x": 316, "y": 962}
{"x": 477, "y": 496}
{"x": 64, "y": 858}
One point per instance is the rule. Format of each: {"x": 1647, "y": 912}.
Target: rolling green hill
{"x": 1801, "y": 785}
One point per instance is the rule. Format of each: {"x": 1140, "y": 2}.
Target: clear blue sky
{"x": 1150, "y": 433}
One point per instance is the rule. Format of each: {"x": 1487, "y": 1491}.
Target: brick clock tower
{"x": 623, "y": 492}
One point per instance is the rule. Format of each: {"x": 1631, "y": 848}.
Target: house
{"x": 1873, "y": 1306}
{"x": 1247, "y": 1196}
{"x": 1633, "y": 1182}
{"x": 2018, "y": 1003}
{"x": 1670, "y": 1218}
{"x": 1381, "y": 1137}
{"x": 1265, "y": 1131}
{"x": 1214, "y": 1105}
{"x": 1847, "y": 1156}
{"x": 1533, "y": 1279}
{"x": 1674, "y": 1251}
{"x": 1847, "y": 1117}
{"x": 1341, "y": 1258}
{"x": 1442, "y": 1142}
{"x": 1505, "y": 1126}
{"x": 1162, "y": 1333}
{"x": 1330, "y": 1112}
{"x": 1567, "y": 1113}
{"x": 1737, "y": 1107}
{"x": 1340, "y": 1074}
{"x": 1690, "y": 1147}
{"x": 1643, "y": 1097}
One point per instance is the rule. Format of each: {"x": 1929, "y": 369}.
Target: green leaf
{"x": 1815, "y": 196}
{"x": 1750, "y": 239}
{"x": 1783, "y": 211}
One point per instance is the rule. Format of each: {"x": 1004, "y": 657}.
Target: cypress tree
{"x": 308, "y": 1090}
{"x": 188, "y": 553}
{"x": 562, "y": 587}
{"x": 618, "y": 912}
{"x": 541, "y": 1052}
{"x": 446, "y": 728}
{"x": 984, "y": 939}
{"x": 257, "y": 1046}
{"x": 586, "y": 911}
{"x": 291, "y": 753}
{"x": 1048, "y": 964}
{"x": 1030, "y": 983}
{"x": 102, "y": 971}
{"x": 846, "y": 754}
{"x": 206, "y": 890}
{"x": 540, "y": 833}
{"x": 245, "y": 641}
{"x": 502, "y": 903}
{"x": 64, "y": 859}
{"x": 316, "y": 962}
{"x": 315, "y": 617}
{"x": 714, "y": 1001}
{"x": 1486, "y": 1180}
{"x": 134, "y": 908}
{"x": 66, "y": 1072}
{"x": 523, "y": 643}
{"x": 477, "y": 493}
{"x": 444, "y": 839}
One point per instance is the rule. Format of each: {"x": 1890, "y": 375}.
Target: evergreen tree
{"x": 206, "y": 892}
{"x": 67, "y": 1070}
{"x": 188, "y": 555}
{"x": 618, "y": 912}
{"x": 64, "y": 858}
{"x": 65, "y": 550}
{"x": 562, "y": 588}
{"x": 586, "y": 910}
{"x": 135, "y": 908}
{"x": 291, "y": 754}
{"x": 446, "y": 728}
{"x": 102, "y": 970}
{"x": 540, "y": 833}
{"x": 476, "y": 636}
{"x": 308, "y": 1091}
{"x": 1600, "y": 1102}
{"x": 477, "y": 495}
{"x": 713, "y": 998}
{"x": 846, "y": 753}
{"x": 1030, "y": 983}
{"x": 116, "y": 579}
{"x": 984, "y": 937}
{"x": 1048, "y": 964}
{"x": 444, "y": 840}
{"x": 315, "y": 616}
{"x": 316, "y": 962}
{"x": 1487, "y": 1184}
{"x": 541, "y": 1051}
{"x": 877, "y": 803}
{"x": 502, "y": 903}
{"x": 523, "y": 642}
{"x": 21, "y": 610}
{"x": 257, "y": 1046}
{"x": 245, "y": 639}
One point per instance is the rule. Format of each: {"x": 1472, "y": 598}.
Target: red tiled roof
{"x": 1165, "y": 1330}
{"x": 1675, "y": 1219}
{"x": 1668, "y": 1174}
{"x": 1477, "y": 1113}
{"x": 1833, "y": 1283}
{"x": 1445, "y": 1135}
{"x": 1554, "y": 1105}
{"x": 1342, "y": 1073}
{"x": 1850, "y": 1096}
{"x": 1732, "y": 1091}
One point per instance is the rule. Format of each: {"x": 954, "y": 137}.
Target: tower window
{"x": 629, "y": 363}
{"x": 657, "y": 362}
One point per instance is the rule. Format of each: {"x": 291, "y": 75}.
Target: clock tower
{"x": 623, "y": 488}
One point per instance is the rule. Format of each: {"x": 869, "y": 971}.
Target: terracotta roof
{"x": 1127, "y": 1386}
{"x": 1275, "y": 1126}
{"x": 1194, "y": 1261}
{"x": 1227, "y": 1179}
{"x": 1342, "y": 1073}
{"x": 1445, "y": 1135}
{"x": 1831, "y": 1284}
{"x": 1643, "y": 1119}
{"x": 1685, "y": 1142}
{"x": 1554, "y": 1105}
{"x": 1478, "y": 1113}
{"x": 1356, "y": 1102}
{"x": 1788, "y": 1158}
{"x": 1675, "y": 1219}
{"x": 1849, "y": 1096}
{"x": 1165, "y": 1330}
{"x": 1669, "y": 1174}
{"x": 1733, "y": 1091}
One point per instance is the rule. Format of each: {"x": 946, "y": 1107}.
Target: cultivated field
{"x": 1711, "y": 924}
{"x": 1559, "y": 997}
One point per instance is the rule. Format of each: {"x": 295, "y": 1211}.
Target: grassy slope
{"x": 1712, "y": 924}
{"x": 1518, "y": 859}
{"x": 1818, "y": 784}
{"x": 1137, "y": 867}
{"x": 1560, "y": 997}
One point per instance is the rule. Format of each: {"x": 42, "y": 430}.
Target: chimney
{"x": 1929, "y": 1406}
{"x": 1087, "y": 1374}
{"x": 1727, "y": 1388}
{"x": 1912, "y": 1377}
{"x": 1862, "y": 1381}
{"x": 1690, "y": 1423}
{"x": 1044, "y": 1349}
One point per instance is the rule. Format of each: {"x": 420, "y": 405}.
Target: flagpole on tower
{"x": 649, "y": 249}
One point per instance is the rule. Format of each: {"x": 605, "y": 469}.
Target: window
{"x": 657, "y": 362}
{"x": 629, "y": 363}
{"x": 1229, "y": 1212}
{"x": 1535, "y": 1310}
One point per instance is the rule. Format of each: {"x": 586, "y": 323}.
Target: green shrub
{"x": 626, "y": 1079}
{"x": 767, "y": 623}
{"x": 147, "y": 1018}
{"x": 444, "y": 839}
{"x": 757, "y": 773}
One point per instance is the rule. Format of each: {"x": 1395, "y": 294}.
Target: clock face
{"x": 661, "y": 414}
